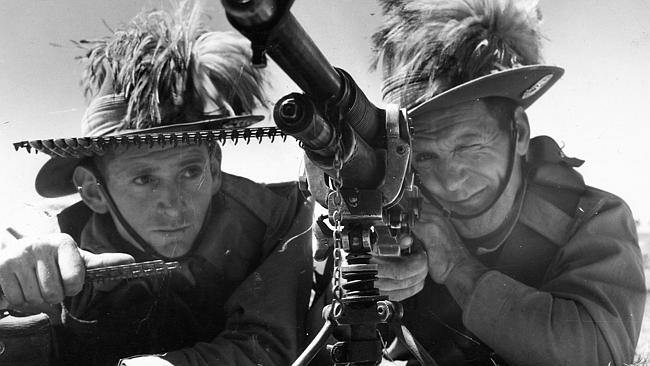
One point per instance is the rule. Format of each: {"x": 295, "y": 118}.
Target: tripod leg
{"x": 316, "y": 344}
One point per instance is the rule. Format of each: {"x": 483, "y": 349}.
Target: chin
{"x": 173, "y": 251}
{"x": 171, "y": 248}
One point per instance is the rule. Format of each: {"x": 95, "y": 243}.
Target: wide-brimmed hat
{"x": 524, "y": 85}
{"x": 101, "y": 124}
{"x": 161, "y": 79}
{"x": 438, "y": 53}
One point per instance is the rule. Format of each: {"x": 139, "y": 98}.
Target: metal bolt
{"x": 401, "y": 149}
{"x": 338, "y": 353}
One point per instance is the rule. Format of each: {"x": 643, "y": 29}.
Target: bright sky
{"x": 597, "y": 111}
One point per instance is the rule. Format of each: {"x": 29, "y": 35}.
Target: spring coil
{"x": 360, "y": 277}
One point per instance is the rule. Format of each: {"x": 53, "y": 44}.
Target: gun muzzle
{"x": 297, "y": 115}
{"x": 251, "y": 14}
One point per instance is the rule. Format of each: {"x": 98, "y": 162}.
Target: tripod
{"x": 357, "y": 310}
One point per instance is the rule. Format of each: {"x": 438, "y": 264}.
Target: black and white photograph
{"x": 324, "y": 182}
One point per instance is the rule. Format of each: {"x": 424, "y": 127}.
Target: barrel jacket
{"x": 240, "y": 298}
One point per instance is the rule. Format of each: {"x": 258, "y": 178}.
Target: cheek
{"x": 490, "y": 168}
{"x": 135, "y": 208}
{"x": 197, "y": 198}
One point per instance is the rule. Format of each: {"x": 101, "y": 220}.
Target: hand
{"x": 402, "y": 277}
{"x": 445, "y": 250}
{"x": 45, "y": 269}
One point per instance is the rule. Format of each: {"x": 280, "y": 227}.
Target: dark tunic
{"x": 566, "y": 287}
{"x": 240, "y": 298}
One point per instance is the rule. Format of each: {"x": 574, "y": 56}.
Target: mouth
{"x": 468, "y": 201}
{"x": 173, "y": 230}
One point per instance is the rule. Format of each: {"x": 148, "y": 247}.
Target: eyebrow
{"x": 135, "y": 164}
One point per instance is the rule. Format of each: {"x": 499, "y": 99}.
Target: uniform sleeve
{"x": 588, "y": 311}
{"x": 267, "y": 311}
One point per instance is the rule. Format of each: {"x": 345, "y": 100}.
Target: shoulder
{"x": 606, "y": 208}
{"x": 274, "y": 204}
{"x": 258, "y": 196}
{"x": 606, "y": 199}
{"x": 558, "y": 202}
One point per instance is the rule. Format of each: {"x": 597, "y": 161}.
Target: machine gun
{"x": 366, "y": 153}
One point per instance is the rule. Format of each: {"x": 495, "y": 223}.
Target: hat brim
{"x": 54, "y": 179}
{"x": 524, "y": 85}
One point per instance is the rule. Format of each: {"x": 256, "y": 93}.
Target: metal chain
{"x": 337, "y": 183}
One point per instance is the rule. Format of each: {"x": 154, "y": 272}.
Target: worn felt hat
{"x": 162, "y": 79}
{"x": 438, "y": 53}
{"x": 101, "y": 124}
{"x": 524, "y": 85}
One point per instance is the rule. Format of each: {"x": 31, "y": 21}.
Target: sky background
{"x": 597, "y": 111}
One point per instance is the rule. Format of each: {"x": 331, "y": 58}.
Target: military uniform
{"x": 240, "y": 298}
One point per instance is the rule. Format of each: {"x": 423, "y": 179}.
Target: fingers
{"x": 403, "y": 267}
{"x": 11, "y": 289}
{"x": 49, "y": 281}
{"x": 390, "y": 284}
{"x": 405, "y": 241}
{"x": 401, "y": 277}
{"x": 73, "y": 263}
{"x": 29, "y": 286}
{"x": 102, "y": 260}
{"x": 427, "y": 229}
{"x": 403, "y": 293}
{"x": 72, "y": 268}
{"x": 93, "y": 260}
{"x": 31, "y": 272}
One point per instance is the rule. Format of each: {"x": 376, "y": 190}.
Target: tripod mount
{"x": 366, "y": 152}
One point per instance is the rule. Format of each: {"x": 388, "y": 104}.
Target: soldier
{"x": 243, "y": 288}
{"x": 526, "y": 264}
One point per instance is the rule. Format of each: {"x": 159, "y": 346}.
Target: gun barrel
{"x": 271, "y": 27}
{"x": 287, "y": 43}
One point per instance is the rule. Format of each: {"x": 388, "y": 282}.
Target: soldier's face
{"x": 163, "y": 193}
{"x": 461, "y": 155}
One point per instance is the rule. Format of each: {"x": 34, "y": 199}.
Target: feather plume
{"x": 428, "y": 46}
{"x": 171, "y": 69}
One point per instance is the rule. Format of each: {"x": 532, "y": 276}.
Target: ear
{"x": 86, "y": 182}
{"x": 523, "y": 131}
{"x": 215, "y": 171}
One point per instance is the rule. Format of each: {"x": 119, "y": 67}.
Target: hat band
{"x": 104, "y": 116}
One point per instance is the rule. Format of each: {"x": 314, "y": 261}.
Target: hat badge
{"x": 536, "y": 87}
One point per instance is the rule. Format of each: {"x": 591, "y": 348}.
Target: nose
{"x": 170, "y": 199}
{"x": 451, "y": 175}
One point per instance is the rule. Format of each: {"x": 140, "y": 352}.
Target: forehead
{"x": 155, "y": 155}
{"x": 471, "y": 116}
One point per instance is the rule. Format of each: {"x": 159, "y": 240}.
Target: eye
{"x": 143, "y": 180}
{"x": 468, "y": 147}
{"x": 192, "y": 172}
{"x": 424, "y": 157}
